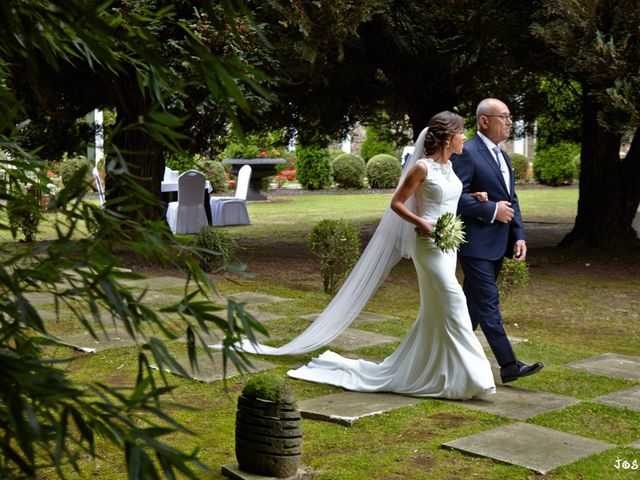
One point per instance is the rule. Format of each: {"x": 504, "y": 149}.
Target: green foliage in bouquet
{"x": 449, "y": 232}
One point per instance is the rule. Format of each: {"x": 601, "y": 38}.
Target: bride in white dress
{"x": 440, "y": 356}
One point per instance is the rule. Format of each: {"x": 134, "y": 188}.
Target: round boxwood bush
{"x": 349, "y": 170}
{"x": 383, "y": 171}
{"x": 520, "y": 165}
{"x": 313, "y": 168}
{"x": 336, "y": 247}
{"x": 215, "y": 173}
{"x": 514, "y": 274}
{"x": 69, "y": 166}
{"x": 216, "y": 246}
{"x": 554, "y": 164}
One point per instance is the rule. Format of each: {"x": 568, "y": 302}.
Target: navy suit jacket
{"x": 478, "y": 171}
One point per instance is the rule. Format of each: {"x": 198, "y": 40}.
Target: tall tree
{"x": 160, "y": 68}
{"x": 50, "y": 422}
{"x": 445, "y": 55}
{"x": 597, "y": 42}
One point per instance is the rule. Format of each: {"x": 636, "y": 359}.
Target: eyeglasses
{"x": 503, "y": 117}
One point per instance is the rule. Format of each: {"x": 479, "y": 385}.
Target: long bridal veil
{"x": 392, "y": 240}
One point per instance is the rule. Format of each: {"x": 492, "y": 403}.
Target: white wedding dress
{"x": 440, "y": 356}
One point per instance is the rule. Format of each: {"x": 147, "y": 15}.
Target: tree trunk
{"x": 609, "y": 186}
{"x": 143, "y": 159}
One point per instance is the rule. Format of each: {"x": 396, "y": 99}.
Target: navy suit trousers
{"x": 483, "y": 302}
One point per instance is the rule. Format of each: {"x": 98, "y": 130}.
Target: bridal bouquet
{"x": 449, "y": 232}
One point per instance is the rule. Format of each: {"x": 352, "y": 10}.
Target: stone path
{"x": 611, "y": 364}
{"x": 347, "y": 407}
{"x": 537, "y": 448}
{"x": 211, "y": 369}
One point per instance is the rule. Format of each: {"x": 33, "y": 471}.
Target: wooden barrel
{"x": 268, "y": 437}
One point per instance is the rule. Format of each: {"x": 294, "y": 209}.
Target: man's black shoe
{"x": 517, "y": 370}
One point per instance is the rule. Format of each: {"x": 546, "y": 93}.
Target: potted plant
{"x": 268, "y": 431}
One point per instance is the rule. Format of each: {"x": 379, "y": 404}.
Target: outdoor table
{"x": 260, "y": 168}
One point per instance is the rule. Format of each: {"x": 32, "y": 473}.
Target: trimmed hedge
{"x": 348, "y": 170}
{"x": 313, "y": 167}
{"x": 383, "y": 171}
{"x": 520, "y": 164}
{"x": 335, "y": 245}
{"x": 373, "y": 145}
{"x": 554, "y": 165}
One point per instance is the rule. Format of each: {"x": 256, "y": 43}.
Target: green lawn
{"x": 577, "y": 304}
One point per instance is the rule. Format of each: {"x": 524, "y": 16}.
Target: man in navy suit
{"x": 493, "y": 229}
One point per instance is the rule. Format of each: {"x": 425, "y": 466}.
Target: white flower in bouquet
{"x": 449, "y": 232}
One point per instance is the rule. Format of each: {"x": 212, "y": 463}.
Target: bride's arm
{"x": 409, "y": 185}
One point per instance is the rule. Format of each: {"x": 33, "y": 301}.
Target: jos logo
{"x": 626, "y": 464}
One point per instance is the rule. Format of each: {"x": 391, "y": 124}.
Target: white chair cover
{"x": 170, "y": 175}
{"x": 187, "y": 215}
{"x": 233, "y": 210}
{"x": 98, "y": 181}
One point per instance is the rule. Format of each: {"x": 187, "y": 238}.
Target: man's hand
{"x": 504, "y": 211}
{"x": 521, "y": 250}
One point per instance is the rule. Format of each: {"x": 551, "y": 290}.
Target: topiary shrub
{"x": 23, "y": 212}
{"x": 336, "y": 247}
{"x": 181, "y": 162}
{"x": 69, "y": 166}
{"x": 313, "y": 168}
{"x": 215, "y": 247}
{"x": 349, "y": 170}
{"x": 216, "y": 174}
{"x": 513, "y": 274}
{"x": 520, "y": 165}
{"x": 333, "y": 153}
{"x": 553, "y": 165}
{"x": 374, "y": 145}
{"x": 383, "y": 171}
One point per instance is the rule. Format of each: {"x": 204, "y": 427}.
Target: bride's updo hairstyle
{"x": 442, "y": 127}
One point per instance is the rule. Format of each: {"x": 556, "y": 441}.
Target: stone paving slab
{"x": 110, "y": 338}
{"x": 234, "y": 473}
{"x": 263, "y": 316}
{"x": 347, "y": 407}
{"x": 251, "y": 298}
{"x": 40, "y": 298}
{"x": 516, "y": 403}
{"x": 610, "y": 364}
{"x": 153, "y": 297}
{"x": 629, "y": 398}
{"x": 540, "y": 449}
{"x": 212, "y": 371}
{"x": 155, "y": 283}
{"x": 47, "y": 314}
{"x": 352, "y": 339}
{"x": 363, "y": 317}
{"x": 214, "y": 337}
{"x": 635, "y": 444}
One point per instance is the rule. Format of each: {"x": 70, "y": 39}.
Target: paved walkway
{"x": 520, "y": 443}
